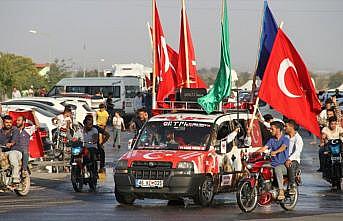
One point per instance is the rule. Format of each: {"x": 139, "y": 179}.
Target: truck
{"x": 185, "y": 155}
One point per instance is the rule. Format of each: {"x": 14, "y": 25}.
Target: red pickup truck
{"x": 184, "y": 155}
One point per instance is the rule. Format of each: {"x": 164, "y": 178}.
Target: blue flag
{"x": 268, "y": 34}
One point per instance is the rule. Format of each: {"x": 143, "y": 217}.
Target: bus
{"x": 123, "y": 88}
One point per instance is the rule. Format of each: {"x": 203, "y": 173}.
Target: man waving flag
{"x": 288, "y": 87}
{"x": 222, "y": 85}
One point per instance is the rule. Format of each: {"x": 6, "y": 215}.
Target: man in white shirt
{"x": 16, "y": 93}
{"x": 137, "y": 102}
{"x": 295, "y": 148}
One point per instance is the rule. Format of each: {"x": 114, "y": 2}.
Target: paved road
{"x": 52, "y": 198}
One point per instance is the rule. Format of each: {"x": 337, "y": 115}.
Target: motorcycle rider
{"x": 63, "y": 120}
{"x": 332, "y": 132}
{"x": 90, "y": 139}
{"x": 295, "y": 148}
{"x": 278, "y": 145}
{"x": 105, "y": 137}
{"x": 8, "y": 137}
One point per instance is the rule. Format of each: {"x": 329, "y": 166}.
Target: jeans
{"x": 25, "y": 160}
{"x": 291, "y": 171}
{"x": 321, "y": 157}
{"x": 15, "y": 157}
{"x": 279, "y": 171}
{"x": 116, "y": 136}
{"x": 101, "y": 156}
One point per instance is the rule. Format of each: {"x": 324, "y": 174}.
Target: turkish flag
{"x": 287, "y": 85}
{"x": 194, "y": 78}
{"x": 166, "y": 62}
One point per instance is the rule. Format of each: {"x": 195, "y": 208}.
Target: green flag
{"x": 222, "y": 85}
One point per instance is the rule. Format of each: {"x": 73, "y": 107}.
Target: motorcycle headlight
{"x": 75, "y": 151}
{"x": 185, "y": 165}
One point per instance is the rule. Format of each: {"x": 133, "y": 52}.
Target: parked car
{"x": 44, "y": 117}
{"x": 33, "y": 104}
{"x": 52, "y": 102}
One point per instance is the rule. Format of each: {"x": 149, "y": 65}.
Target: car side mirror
{"x": 130, "y": 143}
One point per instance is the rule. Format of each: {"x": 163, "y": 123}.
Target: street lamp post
{"x": 48, "y": 36}
{"x": 102, "y": 65}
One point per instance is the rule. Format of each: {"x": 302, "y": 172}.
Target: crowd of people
{"x": 31, "y": 92}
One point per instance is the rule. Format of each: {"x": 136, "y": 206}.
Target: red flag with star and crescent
{"x": 287, "y": 85}
{"x": 166, "y": 62}
{"x": 194, "y": 78}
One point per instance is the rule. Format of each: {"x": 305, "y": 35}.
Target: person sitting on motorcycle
{"x": 332, "y": 132}
{"x": 90, "y": 139}
{"x": 294, "y": 151}
{"x": 105, "y": 137}
{"x": 278, "y": 145}
{"x": 63, "y": 120}
{"x": 8, "y": 138}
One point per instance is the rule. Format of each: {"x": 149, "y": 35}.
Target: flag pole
{"x": 150, "y": 34}
{"x": 257, "y": 55}
{"x": 258, "y": 99}
{"x": 186, "y": 41}
{"x": 154, "y": 56}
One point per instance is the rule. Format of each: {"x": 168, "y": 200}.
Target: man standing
{"x": 278, "y": 145}
{"x": 137, "y": 123}
{"x": 15, "y": 93}
{"x": 118, "y": 125}
{"x": 109, "y": 105}
{"x": 102, "y": 116}
{"x": 295, "y": 148}
{"x": 137, "y": 102}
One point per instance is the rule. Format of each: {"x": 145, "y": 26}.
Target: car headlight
{"x": 121, "y": 167}
{"x": 185, "y": 165}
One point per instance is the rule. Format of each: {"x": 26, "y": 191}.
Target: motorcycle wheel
{"x": 246, "y": 197}
{"x": 290, "y": 201}
{"x": 76, "y": 179}
{"x": 205, "y": 193}
{"x": 59, "y": 151}
{"x": 25, "y": 189}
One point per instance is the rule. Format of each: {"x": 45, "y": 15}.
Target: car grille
{"x": 151, "y": 170}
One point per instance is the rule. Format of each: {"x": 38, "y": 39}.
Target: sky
{"x": 99, "y": 33}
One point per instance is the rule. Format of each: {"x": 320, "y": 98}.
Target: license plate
{"x": 149, "y": 183}
{"x": 128, "y": 104}
{"x": 335, "y": 158}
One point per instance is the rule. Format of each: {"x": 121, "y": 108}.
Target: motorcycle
{"x": 60, "y": 143}
{"x": 6, "y": 181}
{"x": 259, "y": 186}
{"x": 83, "y": 169}
{"x": 333, "y": 166}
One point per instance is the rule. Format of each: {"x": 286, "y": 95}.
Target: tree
{"x": 336, "y": 80}
{"x": 18, "y": 71}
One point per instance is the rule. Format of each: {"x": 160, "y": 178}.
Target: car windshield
{"x": 174, "y": 135}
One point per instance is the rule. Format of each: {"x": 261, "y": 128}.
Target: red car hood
{"x": 165, "y": 156}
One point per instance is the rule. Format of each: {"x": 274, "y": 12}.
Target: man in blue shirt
{"x": 278, "y": 146}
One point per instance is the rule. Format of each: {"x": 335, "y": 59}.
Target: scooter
{"x": 83, "y": 169}
{"x": 259, "y": 187}
{"x": 6, "y": 182}
{"x": 333, "y": 166}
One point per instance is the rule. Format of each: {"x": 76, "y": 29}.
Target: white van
{"x": 123, "y": 89}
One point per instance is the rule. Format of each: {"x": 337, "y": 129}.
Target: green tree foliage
{"x": 336, "y": 80}
{"x": 18, "y": 71}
